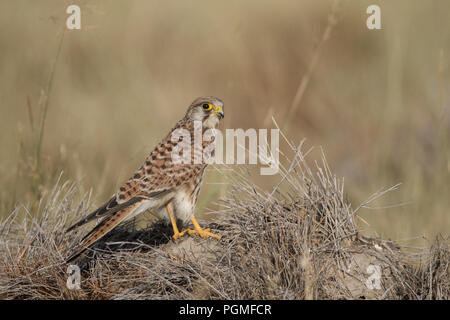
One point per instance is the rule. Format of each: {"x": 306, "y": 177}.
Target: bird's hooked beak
{"x": 218, "y": 111}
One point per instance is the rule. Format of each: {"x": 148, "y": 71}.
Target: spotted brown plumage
{"x": 161, "y": 184}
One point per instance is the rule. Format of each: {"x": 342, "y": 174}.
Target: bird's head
{"x": 208, "y": 110}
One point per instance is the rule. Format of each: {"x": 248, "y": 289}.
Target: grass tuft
{"x": 298, "y": 241}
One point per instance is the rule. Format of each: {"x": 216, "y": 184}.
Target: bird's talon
{"x": 179, "y": 234}
{"x": 204, "y": 233}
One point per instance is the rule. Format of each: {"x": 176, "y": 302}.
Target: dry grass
{"x": 113, "y": 90}
{"x": 299, "y": 241}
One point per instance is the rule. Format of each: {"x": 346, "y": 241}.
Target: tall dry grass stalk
{"x": 331, "y": 23}
{"x": 43, "y": 108}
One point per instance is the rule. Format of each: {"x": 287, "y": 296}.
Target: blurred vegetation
{"x": 93, "y": 102}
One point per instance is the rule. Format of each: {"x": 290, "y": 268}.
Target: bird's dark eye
{"x": 207, "y": 106}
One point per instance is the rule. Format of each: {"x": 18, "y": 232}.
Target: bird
{"x": 163, "y": 184}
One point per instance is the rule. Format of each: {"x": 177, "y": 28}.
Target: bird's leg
{"x": 176, "y": 233}
{"x": 204, "y": 233}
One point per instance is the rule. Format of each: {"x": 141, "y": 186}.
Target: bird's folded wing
{"x": 151, "y": 183}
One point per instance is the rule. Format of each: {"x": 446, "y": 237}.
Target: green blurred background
{"x": 93, "y": 102}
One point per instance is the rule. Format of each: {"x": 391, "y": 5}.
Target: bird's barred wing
{"x": 151, "y": 182}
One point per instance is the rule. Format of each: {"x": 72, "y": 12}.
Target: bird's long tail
{"x": 103, "y": 228}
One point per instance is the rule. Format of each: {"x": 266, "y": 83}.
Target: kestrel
{"x": 163, "y": 184}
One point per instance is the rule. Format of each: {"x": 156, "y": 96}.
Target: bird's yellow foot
{"x": 177, "y": 235}
{"x": 204, "y": 233}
